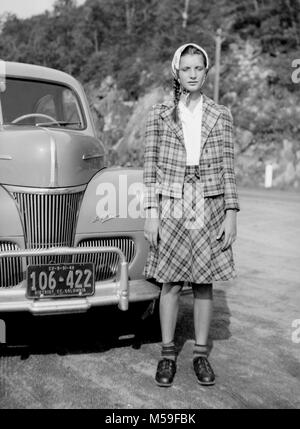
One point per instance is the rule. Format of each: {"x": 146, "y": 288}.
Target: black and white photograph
{"x": 149, "y": 207}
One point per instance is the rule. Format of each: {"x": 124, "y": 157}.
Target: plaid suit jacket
{"x": 165, "y": 155}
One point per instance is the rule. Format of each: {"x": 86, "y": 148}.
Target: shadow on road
{"x": 93, "y": 332}
{"x": 105, "y": 328}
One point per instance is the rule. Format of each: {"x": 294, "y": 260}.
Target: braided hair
{"x": 177, "y": 94}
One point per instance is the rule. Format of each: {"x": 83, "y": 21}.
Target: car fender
{"x": 112, "y": 202}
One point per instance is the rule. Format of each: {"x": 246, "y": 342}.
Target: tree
{"x": 64, "y": 6}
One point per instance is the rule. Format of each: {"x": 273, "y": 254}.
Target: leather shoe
{"x": 165, "y": 373}
{"x": 204, "y": 371}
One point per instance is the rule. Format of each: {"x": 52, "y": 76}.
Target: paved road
{"x": 79, "y": 362}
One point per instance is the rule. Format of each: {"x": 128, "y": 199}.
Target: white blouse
{"x": 191, "y": 125}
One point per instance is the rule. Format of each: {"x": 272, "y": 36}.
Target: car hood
{"x": 48, "y": 158}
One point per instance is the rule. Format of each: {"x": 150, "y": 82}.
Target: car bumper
{"x": 107, "y": 293}
{"x": 120, "y": 291}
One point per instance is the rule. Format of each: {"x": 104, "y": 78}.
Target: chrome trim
{"x": 53, "y": 162}
{"x": 61, "y": 251}
{"x": 53, "y": 191}
{"x": 86, "y": 157}
{"x": 10, "y": 270}
{"x": 106, "y": 265}
{"x": 106, "y": 293}
{"x": 123, "y": 284}
{"x": 6, "y": 157}
{"x": 53, "y": 159}
{"x": 49, "y": 220}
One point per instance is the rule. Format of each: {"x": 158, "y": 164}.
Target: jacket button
{"x": 208, "y": 165}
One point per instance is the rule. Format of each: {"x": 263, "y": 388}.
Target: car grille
{"x": 106, "y": 264}
{"x": 49, "y": 221}
{"x": 10, "y": 268}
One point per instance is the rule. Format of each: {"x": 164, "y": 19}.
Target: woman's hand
{"x": 151, "y": 227}
{"x": 228, "y": 228}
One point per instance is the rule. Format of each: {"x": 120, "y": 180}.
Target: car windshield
{"x": 33, "y": 102}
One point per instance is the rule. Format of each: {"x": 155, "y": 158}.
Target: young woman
{"x": 190, "y": 203}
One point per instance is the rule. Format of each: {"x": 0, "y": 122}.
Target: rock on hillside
{"x": 121, "y": 124}
{"x": 266, "y": 116}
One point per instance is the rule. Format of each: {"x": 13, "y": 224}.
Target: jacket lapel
{"x": 209, "y": 117}
{"x": 175, "y": 127}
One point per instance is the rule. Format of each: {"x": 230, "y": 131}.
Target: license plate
{"x": 60, "y": 280}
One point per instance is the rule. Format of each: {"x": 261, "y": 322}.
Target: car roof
{"x": 32, "y": 71}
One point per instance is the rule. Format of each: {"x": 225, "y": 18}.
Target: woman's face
{"x": 192, "y": 72}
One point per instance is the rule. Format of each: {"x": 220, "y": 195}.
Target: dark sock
{"x": 200, "y": 350}
{"x": 168, "y": 351}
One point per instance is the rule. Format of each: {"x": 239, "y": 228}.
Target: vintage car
{"x": 71, "y": 229}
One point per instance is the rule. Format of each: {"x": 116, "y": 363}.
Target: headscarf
{"x": 177, "y": 56}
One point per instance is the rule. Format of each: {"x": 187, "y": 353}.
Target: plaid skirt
{"x": 188, "y": 249}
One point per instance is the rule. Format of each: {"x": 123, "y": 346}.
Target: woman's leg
{"x": 203, "y": 305}
{"x": 203, "y": 300}
{"x": 168, "y": 310}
